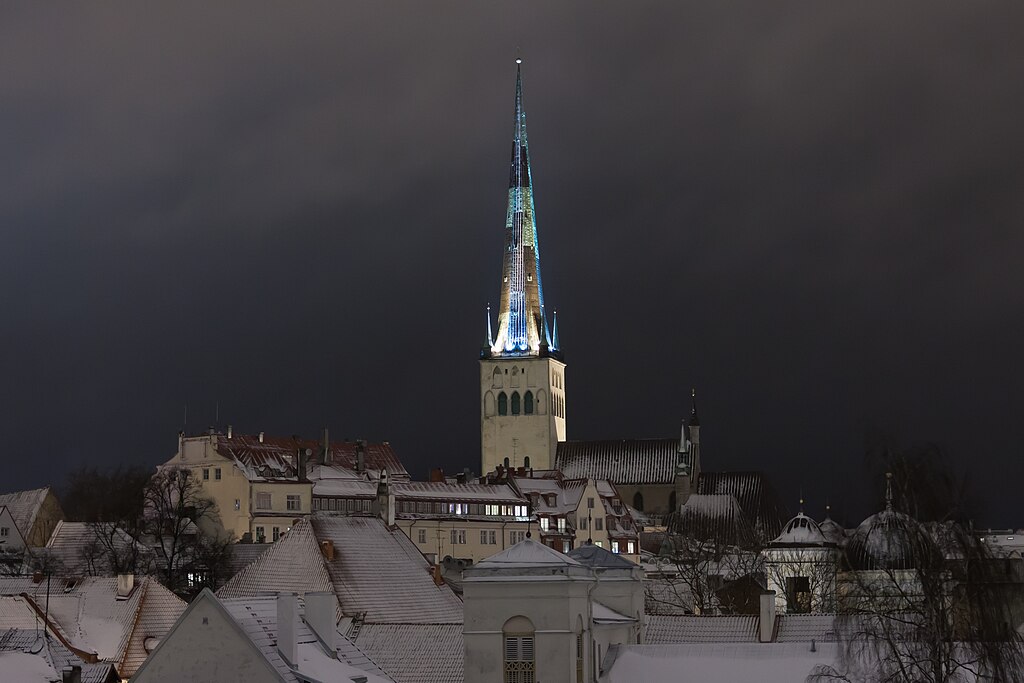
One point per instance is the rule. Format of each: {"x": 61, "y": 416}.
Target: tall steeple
{"x": 522, "y": 327}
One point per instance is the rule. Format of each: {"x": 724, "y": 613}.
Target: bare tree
{"x": 176, "y": 512}
{"x": 926, "y": 599}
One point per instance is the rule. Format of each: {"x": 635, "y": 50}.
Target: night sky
{"x": 811, "y": 212}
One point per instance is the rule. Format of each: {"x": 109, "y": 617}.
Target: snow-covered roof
{"x": 79, "y": 551}
{"x": 888, "y": 540}
{"x": 800, "y": 531}
{"x": 715, "y": 518}
{"x": 626, "y": 461}
{"x": 415, "y": 653}
{"x": 377, "y": 573}
{"x": 293, "y": 564}
{"x": 258, "y": 619}
{"x": 767, "y": 662}
{"x": 527, "y": 553}
{"x": 594, "y": 556}
{"x": 274, "y": 457}
{"x": 16, "y": 645}
{"x": 603, "y": 614}
{"x": 89, "y": 615}
{"x": 420, "y": 490}
{"x": 833, "y": 531}
{"x": 24, "y": 506}
{"x": 754, "y": 493}
{"x": 663, "y": 629}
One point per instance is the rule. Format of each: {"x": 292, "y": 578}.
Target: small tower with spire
{"x": 688, "y": 461}
{"x": 522, "y": 375}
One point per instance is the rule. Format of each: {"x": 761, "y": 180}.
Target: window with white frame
{"x": 630, "y": 547}
{"x": 423, "y": 536}
{"x": 516, "y": 536}
{"x": 206, "y": 474}
{"x": 263, "y": 500}
{"x": 545, "y": 523}
{"x": 261, "y": 535}
{"x": 598, "y": 524}
{"x": 561, "y": 525}
{"x": 216, "y": 474}
{"x": 458, "y": 537}
{"x": 277, "y": 533}
{"x": 615, "y": 546}
{"x": 590, "y": 503}
{"x": 294, "y": 502}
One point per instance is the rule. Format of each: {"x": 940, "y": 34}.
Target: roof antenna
{"x": 888, "y": 490}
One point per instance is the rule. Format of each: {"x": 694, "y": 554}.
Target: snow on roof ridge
{"x": 527, "y": 552}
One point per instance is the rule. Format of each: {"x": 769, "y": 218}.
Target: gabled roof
{"x": 293, "y": 564}
{"x": 717, "y": 518}
{"x": 77, "y": 547}
{"x": 24, "y": 506}
{"x": 754, "y": 493}
{"x": 415, "y": 653}
{"x": 51, "y": 658}
{"x": 377, "y": 572}
{"x": 275, "y": 457}
{"x": 603, "y": 614}
{"x": 626, "y": 461}
{"x": 593, "y": 556}
{"x": 663, "y": 629}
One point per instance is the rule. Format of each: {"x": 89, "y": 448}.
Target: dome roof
{"x": 832, "y": 531}
{"x": 887, "y": 540}
{"x": 800, "y": 531}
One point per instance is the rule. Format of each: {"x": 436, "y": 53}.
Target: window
{"x": 238, "y": 504}
{"x": 206, "y": 474}
{"x": 566, "y": 546}
{"x": 528, "y": 403}
{"x": 631, "y": 547}
{"x": 615, "y": 547}
{"x": 638, "y": 501}
{"x": 590, "y": 503}
{"x": 423, "y": 535}
{"x": 506, "y": 463}
{"x": 261, "y": 535}
{"x": 579, "y": 658}
{"x": 294, "y": 502}
{"x": 458, "y": 508}
{"x": 561, "y": 525}
{"x": 526, "y": 462}
{"x": 798, "y": 594}
{"x": 502, "y": 403}
{"x": 583, "y": 523}
{"x": 515, "y": 402}
{"x": 216, "y": 474}
{"x": 496, "y": 378}
{"x": 488, "y": 537}
{"x": 277, "y": 533}
{"x": 544, "y": 523}
{"x": 4, "y": 530}
{"x": 598, "y": 524}
{"x": 516, "y": 536}
{"x": 263, "y": 500}
{"x": 519, "y": 664}
{"x": 458, "y": 537}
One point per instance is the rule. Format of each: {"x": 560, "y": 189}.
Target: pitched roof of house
{"x": 419, "y": 490}
{"x": 258, "y": 619}
{"x": 755, "y": 495}
{"x": 292, "y": 564}
{"x": 594, "y": 556}
{"x": 377, "y": 572}
{"x": 415, "y": 653}
{"x": 24, "y": 506}
{"x": 701, "y": 629}
{"x": 717, "y": 518}
{"x": 26, "y": 657}
{"x": 90, "y": 616}
{"x": 626, "y": 461}
{"x": 527, "y": 553}
{"x": 77, "y": 547}
{"x": 275, "y": 456}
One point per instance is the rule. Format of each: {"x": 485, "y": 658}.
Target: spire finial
{"x": 801, "y": 505}
{"x": 490, "y": 335}
{"x": 694, "y": 420}
{"x": 888, "y": 490}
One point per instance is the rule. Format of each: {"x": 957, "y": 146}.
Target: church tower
{"x": 522, "y": 376}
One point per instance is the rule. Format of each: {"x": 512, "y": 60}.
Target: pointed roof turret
{"x": 522, "y": 327}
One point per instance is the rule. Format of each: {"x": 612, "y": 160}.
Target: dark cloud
{"x": 810, "y": 212}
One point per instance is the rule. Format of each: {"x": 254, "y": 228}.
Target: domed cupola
{"x": 800, "y": 532}
{"x": 888, "y": 540}
{"x": 831, "y": 530}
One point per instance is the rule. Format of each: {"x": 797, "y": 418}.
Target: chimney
{"x": 230, "y": 430}
{"x": 327, "y": 548}
{"x": 71, "y": 674}
{"x": 125, "y": 585}
{"x": 288, "y": 627}
{"x": 321, "y": 608}
{"x": 436, "y": 474}
{"x": 261, "y": 437}
{"x": 301, "y": 460}
{"x": 385, "y": 500}
{"x": 37, "y": 576}
{"x": 767, "y": 621}
{"x": 360, "y": 456}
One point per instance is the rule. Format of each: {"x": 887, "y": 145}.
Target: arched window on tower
{"x": 506, "y": 463}
{"x": 638, "y": 501}
{"x": 528, "y": 403}
{"x": 515, "y": 402}
{"x": 519, "y": 664}
{"x": 488, "y": 404}
{"x": 496, "y": 378}
{"x": 503, "y": 403}
{"x": 526, "y": 462}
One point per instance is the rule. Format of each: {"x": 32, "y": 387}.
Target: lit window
{"x": 615, "y": 546}
{"x": 294, "y": 502}
{"x": 544, "y": 523}
{"x": 631, "y": 547}
{"x": 238, "y": 504}
{"x": 216, "y": 474}
{"x": 561, "y": 525}
{"x": 206, "y": 474}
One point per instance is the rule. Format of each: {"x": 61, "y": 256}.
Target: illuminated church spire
{"x": 522, "y": 326}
